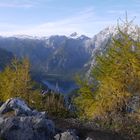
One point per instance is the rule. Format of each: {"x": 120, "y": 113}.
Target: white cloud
{"x": 84, "y": 22}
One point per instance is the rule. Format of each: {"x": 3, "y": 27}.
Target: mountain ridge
{"x": 59, "y": 54}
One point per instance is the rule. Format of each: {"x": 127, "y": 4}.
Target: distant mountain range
{"x": 56, "y": 56}
{"x": 59, "y": 56}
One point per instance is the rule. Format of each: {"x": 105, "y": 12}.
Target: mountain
{"x": 54, "y": 56}
{"x": 100, "y": 43}
{"x": 5, "y": 58}
{"x": 59, "y": 57}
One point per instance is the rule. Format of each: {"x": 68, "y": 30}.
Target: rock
{"x": 39, "y": 114}
{"x": 26, "y": 124}
{"x": 68, "y": 135}
{"x": 17, "y": 105}
{"x": 88, "y": 138}
{"x": 34, "y": 112}
{"x": 57, "y": 137}
{"x": 133, "y": 104}
{"x": 27, "y": 128}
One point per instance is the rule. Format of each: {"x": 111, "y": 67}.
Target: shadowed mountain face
{"x": 57, "y": 56}
{"x": 60, "y": 56}
{"x": 5, "y": 58}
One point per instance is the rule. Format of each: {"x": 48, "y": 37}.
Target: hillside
{"x": 5, "y": 58}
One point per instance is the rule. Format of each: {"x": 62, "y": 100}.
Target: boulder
{"x": 68, "y": 135}
{"x": 27, "y": 124}
{"x": 26, "y": 128}
{"x": 17, "y": 105}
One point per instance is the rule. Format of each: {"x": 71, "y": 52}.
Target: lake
{"x": 64, "y": 87}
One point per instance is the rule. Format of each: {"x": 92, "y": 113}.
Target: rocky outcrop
{"x": 17, "y": 105}
{"x": 19, "y": 122}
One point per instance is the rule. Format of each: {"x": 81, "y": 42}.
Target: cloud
{"x": 84, "y": 22}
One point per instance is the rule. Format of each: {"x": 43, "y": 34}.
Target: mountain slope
{"x": 102, "y": 40}
{"x": 5, "y": 58}
{"x": 59, "y": 56}
{"x": 56, "y": 56}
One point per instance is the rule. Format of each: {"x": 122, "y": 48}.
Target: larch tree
{"x": 15, "y": 81}
{"x": 117, "y": 76}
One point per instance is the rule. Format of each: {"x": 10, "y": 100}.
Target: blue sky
{"x": 49, "y": 17}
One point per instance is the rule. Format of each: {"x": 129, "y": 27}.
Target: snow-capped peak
{"x": 74, "y": 35}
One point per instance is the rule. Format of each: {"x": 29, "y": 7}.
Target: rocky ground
{"x": 86, "y": 130}
{"x": 19, "y": 122}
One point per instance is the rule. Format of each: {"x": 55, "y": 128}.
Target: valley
{"x": 69, "y": 70}
{"x": 44, "y": 75}
{"x": 58, "y": 57}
